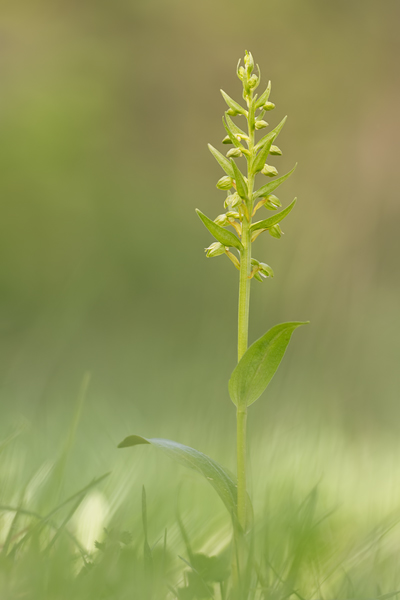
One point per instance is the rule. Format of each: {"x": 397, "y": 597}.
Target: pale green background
{"x": 106, "y": 110}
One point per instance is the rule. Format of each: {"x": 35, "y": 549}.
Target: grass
{"x": 326, "y": 517}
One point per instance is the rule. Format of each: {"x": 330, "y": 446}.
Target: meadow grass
{"x": 326, "y": 514}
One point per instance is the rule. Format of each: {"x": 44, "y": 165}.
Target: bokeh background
{"x": 105, "y": 113}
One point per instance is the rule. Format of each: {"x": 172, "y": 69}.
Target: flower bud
{"x": 221, "y": 220}
{"x": 266, "y": 270}
{"x": 233, "y": 201}
{"x": 275, "y": 150}
{"x": 268, "y": 106}
{"x": 249, "y": 62}
{"x": 232, "y": 112}
{"x": 232, "y": 214}
{"x": 234, "y": 152}
{"x": 253, "y": 81}
{"x": 269, "y": 170}
{"x": 214, "y": 250}
{"x": 227, "y": 140}
{"x": 261, "y": 124}
{"x": 275, "y": 231}
{"x": 241, "y": 73}
{"x": 272, "y": 202}
{"x": 225, "y": 183}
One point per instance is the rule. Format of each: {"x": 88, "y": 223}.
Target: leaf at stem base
{"x": 221, "y": 480}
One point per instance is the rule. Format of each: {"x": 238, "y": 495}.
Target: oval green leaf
{"x": 276, "y": 218}
{"x": 224, "y": 237}
{"x": 259, "y": 364}
{"x": 270, "y": 187}
{"x": 223, "y": 482}
{"x": 222, "y": 161}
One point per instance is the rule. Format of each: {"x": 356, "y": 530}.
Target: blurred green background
{"x": 105, "y": 114}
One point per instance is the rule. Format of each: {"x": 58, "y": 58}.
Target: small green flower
{"x": 233, "y": 201}
{"x": 272, "y": 202}
{"x": 266, "y": 270}
{"x": 276, "y": 231}
{"x": 225, "y": 183}
{"x": 275, "y": 150}
{"x": 222, "y": 220}
{"x": 269, "y": 106}
{"x": 269, "y": 171}
{"x": 249, "y": 61}
{"x": 214, "y": 250}
{"x": 253, "y": 81}
{"x": 261, "y": 124}
{"x": 234, "y": 153}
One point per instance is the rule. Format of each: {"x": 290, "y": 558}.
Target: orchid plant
{"x": 234, "y": 232}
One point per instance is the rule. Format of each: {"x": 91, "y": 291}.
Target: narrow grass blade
{"x": 64, "y": 524}
{"x": 11, "y": 535}
{"x": 60, "y": 467}
{"x": 46, "y": 520}
{"x": 148, "y": 557}
{"x": 81, "y": 492}
{"x": 4, "y": 443}
{"x": 164, "y": 555}
{"x": 185, "y": 536}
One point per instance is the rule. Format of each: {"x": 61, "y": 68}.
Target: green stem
{"x": 244, "y": 290}
{"x": 243, "y": 330}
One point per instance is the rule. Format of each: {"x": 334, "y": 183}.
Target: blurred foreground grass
{"x": 327, "y": 513}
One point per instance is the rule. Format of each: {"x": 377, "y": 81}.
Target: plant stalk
{"x": 243, "y": 328}
{"x": 243, "y": 331}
